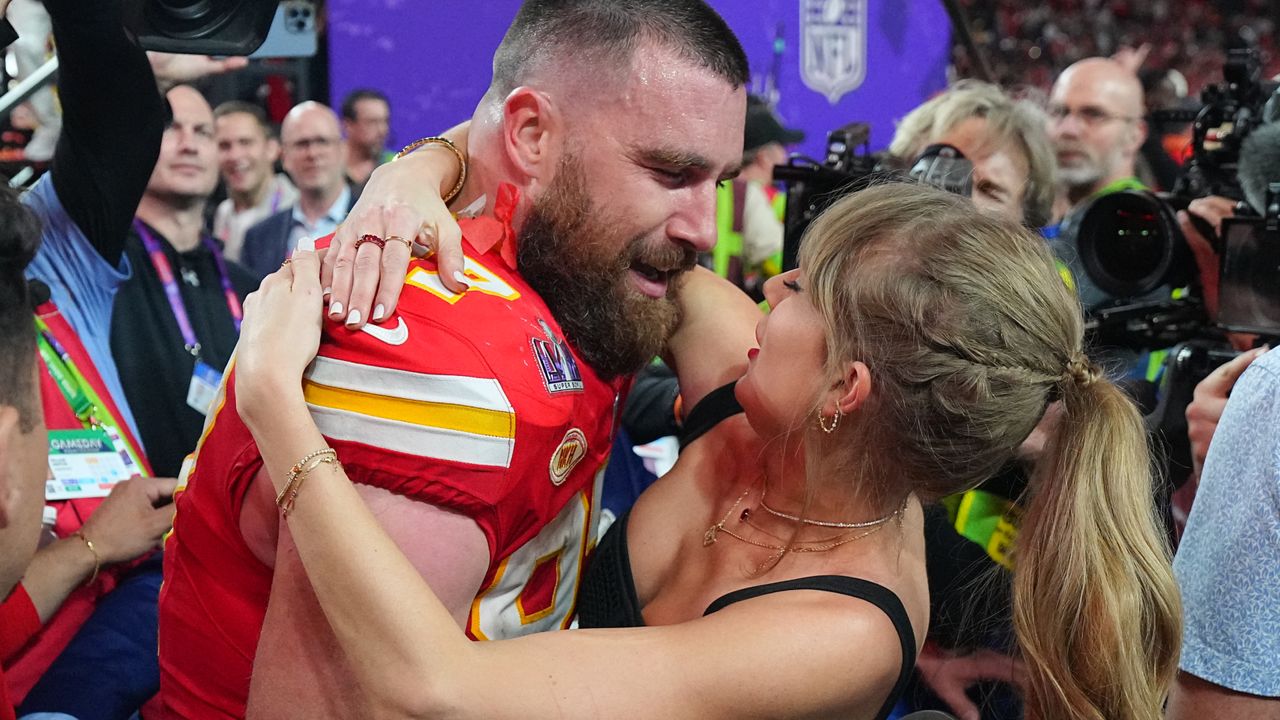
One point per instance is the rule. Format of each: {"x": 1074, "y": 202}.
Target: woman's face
{"x": 786, "y": 373}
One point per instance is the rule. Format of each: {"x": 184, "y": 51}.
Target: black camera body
{"x": 849, "y": 166}
{"x": 1130, "y": 244}
{"x": 813, "y": 186}
{"x": 1229, "y": 112}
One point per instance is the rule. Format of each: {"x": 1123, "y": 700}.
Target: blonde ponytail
{"x": 968, "y": 330}
{"x": 1096, "y": 609}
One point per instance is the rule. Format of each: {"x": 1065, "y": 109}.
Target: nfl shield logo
{"x": 833, "y": 46}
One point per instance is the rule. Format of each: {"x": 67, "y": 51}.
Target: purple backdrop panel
{"x": 824, "y": 62}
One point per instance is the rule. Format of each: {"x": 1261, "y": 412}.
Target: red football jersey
{"x": 471, "y": 402}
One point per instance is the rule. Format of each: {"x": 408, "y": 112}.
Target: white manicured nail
{"x": 353, "y": 318}
{"x": 457, "y": 275}
{"x": 335, "y": 309}
{"x": 378, "y": 312}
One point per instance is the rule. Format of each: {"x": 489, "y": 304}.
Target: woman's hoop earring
{"x": 835, "y": 421}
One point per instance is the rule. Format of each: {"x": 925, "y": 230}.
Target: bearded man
{"x": 475, "y": 424}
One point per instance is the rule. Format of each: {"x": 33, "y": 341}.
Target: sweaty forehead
{"x": 667, "y": 100}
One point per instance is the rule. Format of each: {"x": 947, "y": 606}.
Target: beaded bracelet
{"x": 298, "y": 473}
{"x": 462, "y": 160}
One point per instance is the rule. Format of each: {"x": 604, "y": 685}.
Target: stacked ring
{"x": 397, "y": 238}
{"x": 371, "y": 239}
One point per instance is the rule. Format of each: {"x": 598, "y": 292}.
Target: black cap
{"x": 763, "y": 127}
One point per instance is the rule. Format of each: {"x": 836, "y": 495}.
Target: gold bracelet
{"x": 97, "y": 559}
{"x": 462, "y": 161}
{"x": 298, "y": 473}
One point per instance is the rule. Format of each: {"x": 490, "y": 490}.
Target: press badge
{"x": 204, "y": 387}
{"x": 83, "y": 464}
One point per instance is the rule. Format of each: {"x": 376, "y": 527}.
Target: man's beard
{"x": 1084, "y": 173}
{"x": 568, "y": 252}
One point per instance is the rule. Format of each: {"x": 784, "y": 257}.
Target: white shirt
{"x": 325, "y": 224}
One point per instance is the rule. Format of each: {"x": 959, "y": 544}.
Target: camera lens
{"x": 1128, "y": 243}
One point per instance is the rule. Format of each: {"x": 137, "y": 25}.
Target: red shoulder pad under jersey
{"x": 469, "y": 401}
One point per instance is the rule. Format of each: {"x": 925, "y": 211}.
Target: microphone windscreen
{"x": 1259, "y": 165}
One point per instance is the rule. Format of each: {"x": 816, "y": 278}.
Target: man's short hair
{"x": 1020, "y": 123}
{"x": 231, "y": 107}
{"x": 606, "y": 33}
{"x": 19, "y": 240}
{"x": 355, "y": 96}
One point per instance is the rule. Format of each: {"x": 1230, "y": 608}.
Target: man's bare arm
{"x": 300, "y": 670}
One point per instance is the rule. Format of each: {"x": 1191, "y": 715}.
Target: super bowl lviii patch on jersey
{"x": 556, "y": 365}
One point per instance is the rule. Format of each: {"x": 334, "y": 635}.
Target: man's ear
{"x": 531, "y": 130}
{"x": 8, "y": 488}
{"x": 1139, "y": 136}
{"x": 853, "y": 387}
{"x": 273, "y": 150}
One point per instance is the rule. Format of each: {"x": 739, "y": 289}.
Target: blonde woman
{"x": 778, "y": 570}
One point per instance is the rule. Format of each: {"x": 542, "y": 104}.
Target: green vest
{"x": 726, "y": 259}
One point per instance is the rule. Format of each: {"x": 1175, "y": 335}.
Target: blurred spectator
{"x": 366, "y": 122}
{"x": 313, "y": 158}
{"x": 1097, "y": 127}
{"x": 177, "y": 318}
{"x": 1031, "y": 43}
{"x": 85, "y": 204}
{"x": 23, "y": 443}
{"x": 247, "y": 153}
{"x": 1004, "y": 138}
{"x": 750, "y": 209}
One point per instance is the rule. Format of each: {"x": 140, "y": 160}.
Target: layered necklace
{"x": 857, "y": 530}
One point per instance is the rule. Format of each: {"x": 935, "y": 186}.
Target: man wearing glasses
{"x": 1097, "y": 128}
{"x": 312, "y": 155}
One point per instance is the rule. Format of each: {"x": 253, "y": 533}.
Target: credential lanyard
{"x": 174, "y": 294}
{"x": 80, "y": 395}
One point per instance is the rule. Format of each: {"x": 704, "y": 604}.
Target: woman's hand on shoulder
{"x": 401, "y": 205}
{"x": 278, "y": 339}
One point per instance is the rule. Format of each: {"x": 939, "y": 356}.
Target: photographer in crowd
{"x": 1097, "y": 128}
{"x": 1004, "y": 138}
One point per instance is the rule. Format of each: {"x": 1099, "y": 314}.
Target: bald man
{"x": 1097, "y": 127}
{"x": 312, "y": 154}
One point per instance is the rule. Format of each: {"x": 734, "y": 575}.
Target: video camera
{"x": 1130, "y": 244}
{"x": 849, "y": 167}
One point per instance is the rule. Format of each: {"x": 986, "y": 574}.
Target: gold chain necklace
{"x": 821, "y": 523}
{"x": 713, "y": 532}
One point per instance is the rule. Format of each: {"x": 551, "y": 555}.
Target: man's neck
{"x": 360, "y": 163}
{"x": 180, "y": 224}
{"x": 254, "y": 197}
{"x": 315, "y": 205}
